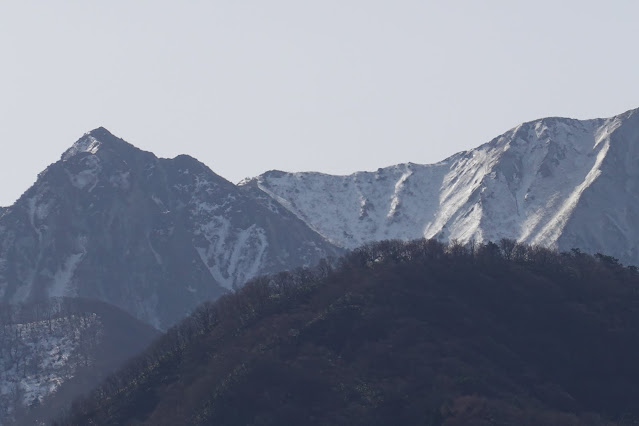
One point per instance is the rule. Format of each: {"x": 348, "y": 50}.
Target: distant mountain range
{"x": 555, "y": 182}
{"x": 157, "y": 237}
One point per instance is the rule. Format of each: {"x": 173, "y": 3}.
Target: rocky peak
{"x": 153, "y": 236}
{"x": 100, "y": 142}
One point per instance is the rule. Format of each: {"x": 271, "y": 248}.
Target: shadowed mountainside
{"x": 154, "y": 236}
{"x": 52, "y": 352}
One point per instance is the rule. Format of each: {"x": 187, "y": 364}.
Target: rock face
{"x": 53, "y": 352}
{"x": 153, "y": 236}
{"x": 556, "y": 182}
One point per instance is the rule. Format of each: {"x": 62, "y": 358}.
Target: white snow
{"x": 61, "y": 285}
{"x": 525, "y": 185}
{"x": 48, "y": 351}
{"x": 232, "y": 252}
{"x": 366, "y": 206}
{"x": 62, "y": 279}
{"x": 37, "y": 210}
{"x": 86, "y": 144}
{"x": 232, "y": 255}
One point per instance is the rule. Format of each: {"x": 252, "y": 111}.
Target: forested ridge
{"x": 398, "y": 333}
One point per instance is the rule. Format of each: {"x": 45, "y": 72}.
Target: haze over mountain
{"x": 153, "y": 236}
{"x": 556, "y": 182}
{"x": 55, "y": 351}
{"x": 157, "y": 237}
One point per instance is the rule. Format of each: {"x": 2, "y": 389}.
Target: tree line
{"x": 533, "y": 307}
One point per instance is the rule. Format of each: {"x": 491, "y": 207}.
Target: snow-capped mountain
{"x": 556, "y": 182}
{"x": 153, "y": 236}
{"x": 158, "y": 236}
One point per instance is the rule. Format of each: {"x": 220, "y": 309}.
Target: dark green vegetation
{"x": 399, "y": 333}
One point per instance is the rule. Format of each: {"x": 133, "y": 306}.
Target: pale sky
{"x": 334, "y": 85}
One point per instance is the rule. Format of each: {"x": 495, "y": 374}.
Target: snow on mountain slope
{"x": 362, "y": 207}
{"x": 153, "y": 236}
{"x": 556, "y": 182}
{"x": 52, "y": 352}
{"x": 158, "y": 236}
{"x": 41, "y": 358}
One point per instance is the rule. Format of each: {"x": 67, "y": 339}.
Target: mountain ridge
{"x": 525, "y": 184}
{"x": 629, "y": 112}
{"x": 175, "y": 225}
{"x": 151, "y": 235}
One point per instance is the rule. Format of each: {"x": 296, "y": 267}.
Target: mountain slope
{"x": 153, "y": 236}
{"x": 557, "y": 182}
{"x": 56, "y": 351}
{"x": 399, "y": 333}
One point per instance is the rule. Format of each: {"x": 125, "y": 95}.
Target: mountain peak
{"x": 100, "y": 132}
{"x": 95, "y": 140}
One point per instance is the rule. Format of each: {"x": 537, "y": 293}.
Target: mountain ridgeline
{"x": 555, "y": 182}
{"x": 153, "y": 236}
{"x": 450, "y": 334}
{"x": 157, "y": 237}
{"x": 398, "y": 333}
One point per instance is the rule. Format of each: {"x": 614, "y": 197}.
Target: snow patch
{"x": 232, "y": 255}
{"x": 85, "y": 144}
{"x": 63, "y": 277}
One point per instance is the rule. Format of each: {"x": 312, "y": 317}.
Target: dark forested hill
{"x": 399, "y": 333}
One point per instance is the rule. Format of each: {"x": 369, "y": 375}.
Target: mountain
{"x": 153, "y": 236}
{"x": 55, "y": 351}
{"x": 158, "y": 236}
{"x": 398, "y": 333}
{"x": 556, "y": 182}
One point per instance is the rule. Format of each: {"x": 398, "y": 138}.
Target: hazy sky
{"x": 332, "y": 86}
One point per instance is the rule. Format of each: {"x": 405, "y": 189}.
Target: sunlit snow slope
{"x": 556, "y": 182}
